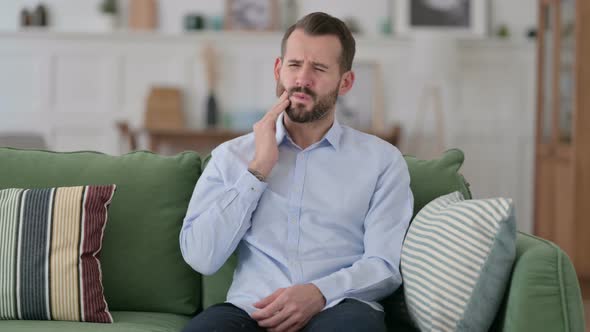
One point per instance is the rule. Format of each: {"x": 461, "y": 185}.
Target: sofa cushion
{"x": 429, "y": 179}
{"x": 143, "y": 269}
{"x": 456, "y": 261}
{"x": 436, "y": 177}
{"x": 50, "y": 240}
{"x": 123, "y": 322}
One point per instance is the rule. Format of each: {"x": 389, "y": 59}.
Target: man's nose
{"x": 304, "y": 79}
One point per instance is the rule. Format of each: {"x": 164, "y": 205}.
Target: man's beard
{"x": 320, "y": 108}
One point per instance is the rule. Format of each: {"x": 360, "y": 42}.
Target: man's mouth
{"x": 301, "y": 96}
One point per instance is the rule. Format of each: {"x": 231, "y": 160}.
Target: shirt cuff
{"x": 249, "y": 186}
{"x": 330, "y": 287}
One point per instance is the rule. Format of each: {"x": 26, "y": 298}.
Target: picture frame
{"x": 464, "y": 18}
{"x": 362, "y": 108}
{"x": 251, "y": 15}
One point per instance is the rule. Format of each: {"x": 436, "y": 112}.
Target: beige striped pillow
{"x": 50, "y": 241}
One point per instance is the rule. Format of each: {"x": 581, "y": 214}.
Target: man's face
{"x": 310, "y": 72}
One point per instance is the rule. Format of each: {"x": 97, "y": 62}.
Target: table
{"x": 202, "y": 140}
{"x": 198, "y": 140}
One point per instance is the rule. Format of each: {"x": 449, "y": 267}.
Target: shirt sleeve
{"x": 218, "y": 216}
{"x": 377, "y": 274}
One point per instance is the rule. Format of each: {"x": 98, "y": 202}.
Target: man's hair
{"x": 321, "y": 24}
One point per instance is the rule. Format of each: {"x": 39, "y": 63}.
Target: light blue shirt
{"x": 333, "y": 214}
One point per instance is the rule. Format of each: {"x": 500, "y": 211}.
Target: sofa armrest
{"x": 543, "y": 293}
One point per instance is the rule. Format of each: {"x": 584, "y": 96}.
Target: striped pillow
{"x": 456, "y": 261}
{"x": 50, "y": 240}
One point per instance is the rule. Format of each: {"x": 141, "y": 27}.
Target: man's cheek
{"x": 280, "y": 88}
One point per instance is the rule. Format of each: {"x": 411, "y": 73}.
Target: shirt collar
{"x": 332, "y": 136}
{"x": 281, "y": 131}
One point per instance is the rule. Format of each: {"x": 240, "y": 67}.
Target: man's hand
{"x": 289, "y": 309}
{"x": 267, "y": 152}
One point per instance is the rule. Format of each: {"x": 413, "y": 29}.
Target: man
{"x": 317, "y": 211}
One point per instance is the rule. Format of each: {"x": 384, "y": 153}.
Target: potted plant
{"x": 109, "y": 11}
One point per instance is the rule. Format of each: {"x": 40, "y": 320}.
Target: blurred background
{"x": 493, "y": 78}
{"x": 83, "y": 74}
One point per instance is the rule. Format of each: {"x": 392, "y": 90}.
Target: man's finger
{"x": 271, "y": 117}
{"x": 280, "y": 106}
{"x": 267, "y": 300}
{"x": 274, "y": 321}
{"x": 284, "y": 96}
{"x": 287, "y": 324}
{"x": 264, "y": 302}
{"x": 268, "y": 311}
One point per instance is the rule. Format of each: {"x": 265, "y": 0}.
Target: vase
{"x": 143, "y": 14}
{"x": 107, "y": 22}
{"x": 212, "y": 111}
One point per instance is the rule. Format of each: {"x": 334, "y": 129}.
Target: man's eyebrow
{"x": 316, "y": 64}
{"x": 319, "y": 64}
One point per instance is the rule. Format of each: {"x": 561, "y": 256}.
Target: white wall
{"x": 77, "y": 15}
{"x": 73, "y": 86}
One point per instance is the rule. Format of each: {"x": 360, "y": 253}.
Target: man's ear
{"x": 278, "y": 65}
{"x": 346, "y": 82}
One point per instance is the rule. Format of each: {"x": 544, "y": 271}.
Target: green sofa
{"x": 148, "y": 286}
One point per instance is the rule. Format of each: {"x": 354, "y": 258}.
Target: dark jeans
{"x": 348, "y": 315}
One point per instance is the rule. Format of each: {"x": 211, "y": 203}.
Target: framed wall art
{"x": 253, "y": 15}
{"x": 460, "y": 17}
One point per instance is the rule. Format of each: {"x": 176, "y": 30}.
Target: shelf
{"x": 240, "y": 36}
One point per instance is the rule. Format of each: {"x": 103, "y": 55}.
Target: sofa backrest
{"x": 430, "y": 179}
{"x": 142, "y": 266}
